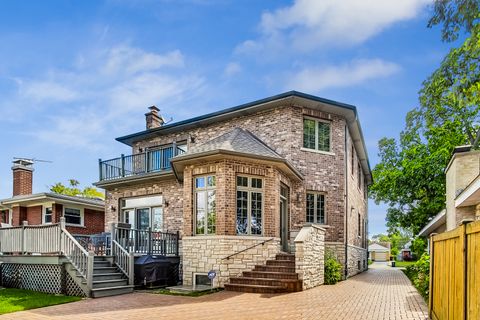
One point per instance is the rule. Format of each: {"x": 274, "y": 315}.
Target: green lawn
{"x": 403, "y": 264}
{"x": 12, "y": 300}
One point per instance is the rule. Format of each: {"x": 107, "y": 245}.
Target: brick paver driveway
{"x": 380, "y": 293}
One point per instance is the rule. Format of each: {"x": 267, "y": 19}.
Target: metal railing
{"x": 154, "y": 160}
{"x": 147, "y": 241}
{"x": 100, "y": 244}
{"x": 248, "y": 248}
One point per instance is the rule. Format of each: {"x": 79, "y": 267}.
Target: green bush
{"x": 332, "y": 269}
{"x": 419, "y": 274}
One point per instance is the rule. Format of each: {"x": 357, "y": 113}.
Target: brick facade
{"x": 281, "y": 128}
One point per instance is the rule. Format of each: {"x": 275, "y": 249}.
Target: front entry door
{"x": 284, "y": 225}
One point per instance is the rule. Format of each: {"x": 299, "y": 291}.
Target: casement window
{"x": 205, "y": 208}
{"x": 249, "y": 205}
{"x": 315, "y": 208}
{"x": 316, "y": 134}
{"x": 47, "y": 215}
{"x": 73, "y": 216}
{"x": 359, "y": 176}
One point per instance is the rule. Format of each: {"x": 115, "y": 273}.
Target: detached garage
{"x": 378, "y": 252}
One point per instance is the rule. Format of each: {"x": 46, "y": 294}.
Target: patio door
{"x": 142, "y": 220}
{"x": 284, "y": 225}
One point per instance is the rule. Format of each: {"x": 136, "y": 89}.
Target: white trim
{"x": 317, "y": 151}
{"x": 44, "y": 213}
{"x": 206, "y": 188}
{"x": 316, "y": 193}
{"x": 317, "y": 120}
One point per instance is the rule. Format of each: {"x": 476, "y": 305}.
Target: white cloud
{"x": 313, "y": 24}
{"x": 103, "y": 92}
{"x": 349, "y": 74}
{"x": 232, "y": 69}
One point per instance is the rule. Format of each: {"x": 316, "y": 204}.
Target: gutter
{"x": 346, "y": 203}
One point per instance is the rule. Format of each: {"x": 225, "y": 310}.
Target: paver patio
{"x": 380, "y": 293}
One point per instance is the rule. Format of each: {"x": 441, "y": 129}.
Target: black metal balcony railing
{"x": 151, "y": 161}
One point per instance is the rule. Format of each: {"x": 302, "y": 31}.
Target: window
{"x": 249, "y": 205}
{"x": 205, "y": 209}
{"x": 316, "y": 135}
{"x": 4, "y": 217}
{"x": 47, "y": 215}
{"x": 315, "y": 208}
{"x": 359, "y": 173}
{"x": 143, "y": 212}
{"x": 359, "y": 225}
{"x": 358, "y": 264}
{"x": 157, "y": 219}
{"x": 73, "y": 216}
{"x": 353, "y": 158}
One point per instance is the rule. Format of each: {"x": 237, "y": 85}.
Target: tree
{"x": 74, "y": 191}
{"x": 410, "y": 176}
{"x": 455, "y": 15}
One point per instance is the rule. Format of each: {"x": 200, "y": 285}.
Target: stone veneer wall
{"x": 338, "y": 250}
{"x": 204, "y": 253}
{"x": 310, "y": 256}
{"x": 356, "y": 254}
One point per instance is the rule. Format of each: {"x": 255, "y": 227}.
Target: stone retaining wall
{"x": 309, "y": 256}
{"x": 204, "y": 253}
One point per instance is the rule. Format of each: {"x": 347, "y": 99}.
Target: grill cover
{"x": 152, "y": 270}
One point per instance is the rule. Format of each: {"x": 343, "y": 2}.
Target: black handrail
{"x": 251, "y": 247}
{"x": 148, "y": 241}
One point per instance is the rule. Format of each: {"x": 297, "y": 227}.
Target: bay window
{"x": 205, "y": 206}
{"x": 249, "y": 205}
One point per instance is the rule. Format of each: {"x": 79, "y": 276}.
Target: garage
{"x": 379, "y": 252}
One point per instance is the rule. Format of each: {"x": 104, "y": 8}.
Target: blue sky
{"x": 76, "y": 74}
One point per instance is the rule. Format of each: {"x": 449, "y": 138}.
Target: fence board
{"x": 455, "y": 274}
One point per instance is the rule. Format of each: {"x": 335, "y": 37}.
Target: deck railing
{"x": 47, "y": 239}
{"x": 147, "y": 241}
{"x": 100, "y": 244}
{"x": 154, "y": 160}
{"x": 124, "y": 260}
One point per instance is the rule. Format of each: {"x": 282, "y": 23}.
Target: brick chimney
{"x": 22, "y": 177}
{"x": 153, "y": 118}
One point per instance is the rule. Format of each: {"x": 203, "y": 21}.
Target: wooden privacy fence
{"x": 455, "y": 273}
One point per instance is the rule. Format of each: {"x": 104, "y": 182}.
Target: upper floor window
{"x": 353, "y": 158}
{"x": 359, "y": 173}
{"x": 316, "y": 134}
{"x": 315, "y": 208}
{"x": 249, "y": 205}
{"x": 205, "y": 205}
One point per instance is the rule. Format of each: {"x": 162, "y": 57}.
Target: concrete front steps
{"x": 107, "y": 279}
{"x": 276, "y": 276}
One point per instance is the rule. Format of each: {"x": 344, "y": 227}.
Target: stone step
{"x": 111, "y": 291}
{"x": 256, "y": 281}
{"x": 254, "y": 288}
{"x": 108, "y": 276}
{"x": 274, "y": 269}
{"x": 281, "y": 263}
{"x": 100, "y": 270}
{"x": 285, "y": 256}
{"x": 270, "y": 275}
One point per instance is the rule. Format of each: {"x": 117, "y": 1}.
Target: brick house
{"x": 83, "y": 216}
{"x": 282, "y": 178}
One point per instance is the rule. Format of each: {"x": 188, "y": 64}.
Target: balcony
{"x": 152, "y": 161}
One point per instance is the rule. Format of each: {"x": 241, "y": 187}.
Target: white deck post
{"x": 131, "y": 263}
{"x": 90, "y": 260}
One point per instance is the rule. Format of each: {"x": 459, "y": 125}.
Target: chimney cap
{"x": 153, "y": 108}
{"x": 22, "y": 163}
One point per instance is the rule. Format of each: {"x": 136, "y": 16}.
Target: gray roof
{"x": 55, "y": 196}
{"x": 238, "y": 140}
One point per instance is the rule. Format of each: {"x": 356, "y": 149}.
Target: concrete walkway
{"x": 381, "y": 293}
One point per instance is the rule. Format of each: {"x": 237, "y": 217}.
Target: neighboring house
{"x": 462, "y": 192}
{"x": 379, "y": 252}
{"x": 82, "y": 215}
{"x": 247, "y": 184}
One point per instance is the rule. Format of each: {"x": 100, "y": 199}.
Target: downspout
{"x": 346, "y": 204}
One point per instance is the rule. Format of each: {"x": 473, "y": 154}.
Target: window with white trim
{"x": 73, "y": 216}
{"x": 315, "y": 208}
{"x": 316, "y": 134}
{"x": 205, "y": 206}
{"x": 249, "y": 205}
{"x": 47, "y": 215}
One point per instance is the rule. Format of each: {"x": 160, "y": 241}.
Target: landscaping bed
{"x": 12, "y": 300}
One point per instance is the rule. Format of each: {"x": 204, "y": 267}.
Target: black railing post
{"x": 122, "y": 166}
{"x": 149, "y": 240}
{"x": 100, "y": 169}
{"x": 177, "y": 243}
{"x": 147, "y": 161}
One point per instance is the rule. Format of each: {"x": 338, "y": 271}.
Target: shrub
{"x": 419, "y": 274}
{"x": 332, "y": 269}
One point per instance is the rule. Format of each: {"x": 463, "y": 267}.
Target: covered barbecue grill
{"x": 154, "y": 271}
